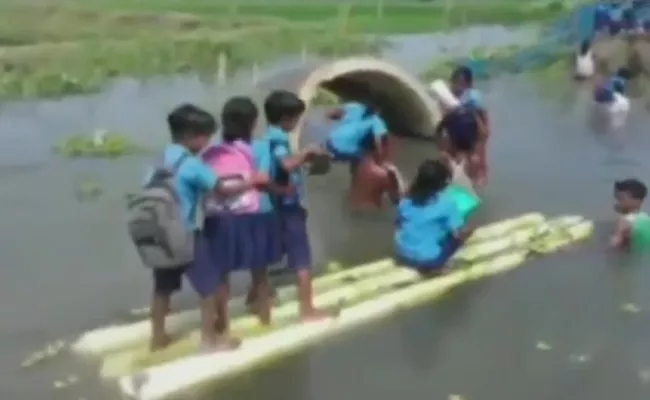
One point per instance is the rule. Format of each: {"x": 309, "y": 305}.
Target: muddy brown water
{"x": 67, "y": 266}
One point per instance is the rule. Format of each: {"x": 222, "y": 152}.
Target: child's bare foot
{"x": 159, "y": 343}
{"x": 222, "y": 343}
{"x": 316, "y": 314}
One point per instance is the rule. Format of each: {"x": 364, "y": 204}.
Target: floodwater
{"x": 68, "y": 266}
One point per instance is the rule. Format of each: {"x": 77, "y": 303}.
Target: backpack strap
{"x": 167, "y": 172}
{"x": 280, "y": 176}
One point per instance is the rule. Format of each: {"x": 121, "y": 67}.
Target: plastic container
{"x": 443, "y": 94}
{"x": 465, "y": 199}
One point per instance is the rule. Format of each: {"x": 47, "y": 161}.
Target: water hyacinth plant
{"x": 101, "y": 144}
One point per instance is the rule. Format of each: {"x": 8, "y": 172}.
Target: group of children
{"x": 239, "y": 201}
{"x": 249, "y": 219}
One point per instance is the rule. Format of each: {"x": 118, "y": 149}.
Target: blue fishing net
{"x": 560, "y": 37}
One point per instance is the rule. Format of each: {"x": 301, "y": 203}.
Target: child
{"x": 242, "y": 234}
{"x": 360, "y": 137}
{"x": 611, "y": 102}
{"x": 191, "y": 129}
{"x": 584, "y": 62}
{"x": 633, "y": 227}
{"x": 283, "y": 110}
{"x": 430, "y": 227}
{"x": 462, "y": 82}
{"x": 462, "y": 132}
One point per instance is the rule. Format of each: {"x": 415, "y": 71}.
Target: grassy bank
{"x": 364, "y": 16}
{"x": 56, "y": 51}
{"x": 77, "y": 47}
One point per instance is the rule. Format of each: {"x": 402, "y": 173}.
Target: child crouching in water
{"x": 633, "y": 227}
{"x": 361, "y": 138}
{"x": 430, "y": 227}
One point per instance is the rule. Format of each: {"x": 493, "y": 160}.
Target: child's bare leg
{"x": 217, "y": 334}
{"x": 160, "y": 305}
{"x": 308, "y": 312}
{"x": 260, "y": 298}
{"x": 165, "y": 282}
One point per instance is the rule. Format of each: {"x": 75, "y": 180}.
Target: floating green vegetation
{"x": 88, "y": 190}
{"x": 99, "y": 145}
{"x": 542, "y": 62}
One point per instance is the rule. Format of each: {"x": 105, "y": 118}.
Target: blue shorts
{"x": 201, "y": 273}
{"x": 244, "y": 241}
{"x": 448, "y": 248}
{"x": 338, "y": 156}
{"x": 295, "y": 238}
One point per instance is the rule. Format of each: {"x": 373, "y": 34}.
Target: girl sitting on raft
{"x": 462, "y": 86}
{"x": 430, "y": 225}
{"x": 633, "y": 227}
{"x": 361, "y": 138}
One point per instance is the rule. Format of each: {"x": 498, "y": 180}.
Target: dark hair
{"x": 431, "y": 178}
{"x": 585, "y": 46}
{"x": 238, "y": 117}
{"x": 188, "y": 120}
{"x": 464, "y": 72}
{"x": 281, "y": 105}
{"x": 634, "y": 187}
{"x": 624, "y": 73}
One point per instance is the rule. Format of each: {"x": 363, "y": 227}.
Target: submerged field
{"x": 74, "y": 47}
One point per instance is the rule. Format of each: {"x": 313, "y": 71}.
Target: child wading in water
{"x": 462, "y": 85}
{"x": 633, "y": 227}
{"x": 283, "y": 110}
{"x": 430, "y": 226}
{"x": 361, "y": 138}
{"x": 191, "y": 130}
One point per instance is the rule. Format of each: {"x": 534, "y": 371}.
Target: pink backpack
{"x": 232, "y": 161}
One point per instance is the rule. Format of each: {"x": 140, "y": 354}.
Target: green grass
{"x": 76, "y": 47}
{"x": 371, "y": 17}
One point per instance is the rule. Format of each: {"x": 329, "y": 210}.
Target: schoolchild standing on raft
{"x": 462, "y": 86}
{"x": 361, "y": 138}
{"x": 242, "y": 230}
{"x": 633, "y": 227}
{"x": 283, "y": 110}
{"x": 191, "y": 130}
{"x": 431, "y": 226}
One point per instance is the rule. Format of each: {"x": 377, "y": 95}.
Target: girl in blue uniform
{"x": 430, "y": 226}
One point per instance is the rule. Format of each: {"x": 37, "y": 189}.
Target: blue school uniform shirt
{"x": 472, "y": 99}
{"x": 263, "y": 163}
{"x": 280, "y": 151}
{"x": 193, "y": 179}
{"x": 422, "y": 229}
{"x": 348, "y": 134}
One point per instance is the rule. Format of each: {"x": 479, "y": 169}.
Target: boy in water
{"x": 283, "y": 110}
{"x": 191, "y": 129}
{"x": 462, "y": 86}
{"x": 633, "y": 227}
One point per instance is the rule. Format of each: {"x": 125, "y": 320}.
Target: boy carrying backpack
{"x": 165, "y": 223}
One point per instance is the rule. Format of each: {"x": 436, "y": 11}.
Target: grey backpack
{"x": 156, "y": 224}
